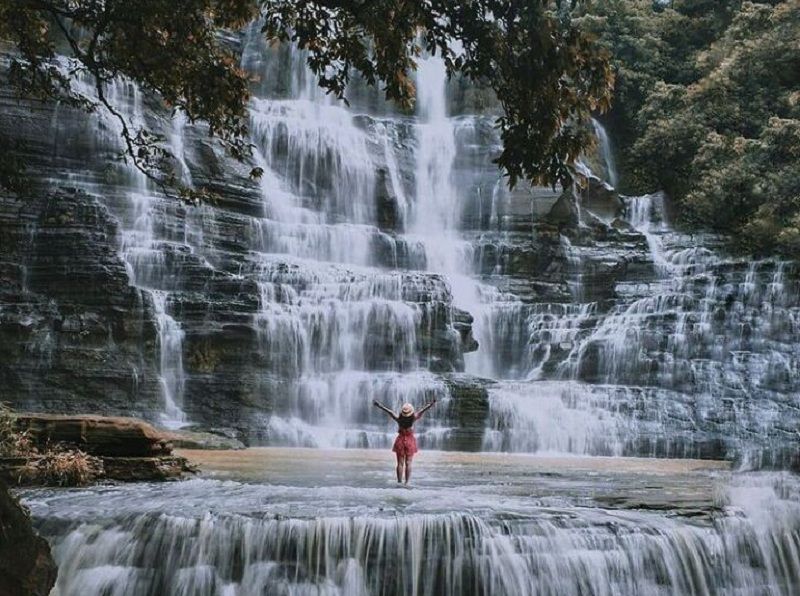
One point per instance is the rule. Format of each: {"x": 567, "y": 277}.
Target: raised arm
{"x": 425, "y": 408}
{"x": 380, "y": 406}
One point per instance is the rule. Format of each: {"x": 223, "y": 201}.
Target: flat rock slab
{"x": 105, "y": 436}
{"x": 121, "y": 469}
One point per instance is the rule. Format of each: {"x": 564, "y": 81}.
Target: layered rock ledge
{"x": 117, "y": 448}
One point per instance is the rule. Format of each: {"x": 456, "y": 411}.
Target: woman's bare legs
{"x": 408, "y": 469}
{"x": 400, "y": 460}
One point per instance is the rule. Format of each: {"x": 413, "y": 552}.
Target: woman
{"x": 405, "y": 445}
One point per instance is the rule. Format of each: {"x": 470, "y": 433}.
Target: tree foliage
{"x": 71, "y": 50}
{"x": 545, "y": 70}
{"x": 708, "y": 108}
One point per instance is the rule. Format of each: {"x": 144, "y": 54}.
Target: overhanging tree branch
{"x": 545, "y": 71}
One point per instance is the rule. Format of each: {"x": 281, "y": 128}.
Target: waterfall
{"x": 330, "y": 313}
{"x": 552, "y": 417}
{"x": 142, "y": 250}
{"x": 178, "y": 148}
{"x": 342, "y": 326}
{"x": 170, "y": 343}
{"x": 200, "y": 538}
{"x": 436, "y": 209}
{"x": 606, "y": 153}
{"x": 646, "y": 214}
{"x": 384, "y": 246}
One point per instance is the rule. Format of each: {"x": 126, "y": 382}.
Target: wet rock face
{"x": 601, "y": 199}
{"x": 73, "y": 334}
{"x": 26, "y": 566}
{"x": 387, "y": 206}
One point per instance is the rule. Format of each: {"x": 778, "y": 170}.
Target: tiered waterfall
{"x": 382, "y": 256}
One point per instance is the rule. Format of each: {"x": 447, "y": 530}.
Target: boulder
{"x": 601, "y": 199}
{"x": 462, "y": 323}
{"x": 26, "y": 565}
{"x": 388, "y": 212}
{"x": 564, "y": 212}
{"x": 97, "y": 435}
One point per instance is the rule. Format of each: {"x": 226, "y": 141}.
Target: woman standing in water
{"x": 405, "y": 445}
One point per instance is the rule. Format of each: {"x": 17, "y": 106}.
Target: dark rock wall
{"x": 73, "y": 333}
{"x": 26, "y": 566}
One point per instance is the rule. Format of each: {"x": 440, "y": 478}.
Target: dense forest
{"x": 707, "y": 108}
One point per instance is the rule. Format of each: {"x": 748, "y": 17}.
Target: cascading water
{"x": 170, "y": 342}
{"x": 436, "y": 208}
{"x": 637, "y": 364}
{"x": 362, "y": 263}
{"x": 202, "y": 537}
{"x": 347, "y": 332}
{"x": 143, "y": 252}
{"x": 606, "y": 153}
{"x": 646, "y": 214}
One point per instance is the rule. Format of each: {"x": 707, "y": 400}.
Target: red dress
{"x": 405, "y": 445}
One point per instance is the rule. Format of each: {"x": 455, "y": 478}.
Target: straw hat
{"x": 407, "y": 410}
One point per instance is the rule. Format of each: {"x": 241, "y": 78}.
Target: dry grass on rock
{"x": 53, "y": 465}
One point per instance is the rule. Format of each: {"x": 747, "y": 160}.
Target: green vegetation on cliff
{"x": 707, "y": 107}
